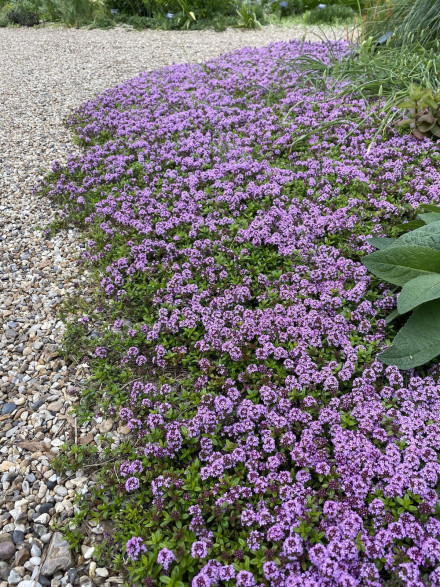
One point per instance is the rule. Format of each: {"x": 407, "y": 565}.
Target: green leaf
{"x": 418, "y": 341}
{"x": 430, "y": 208}
{"x": 399, "y": 264}
{"x": 429, "y": 217}
{"x": 392, "y": 316}
{"x": 410, "y": 225}
{"x": 405, "y": 104}
{"x": 381, "y": 242}
{"x": 426, "y": 236}
{"x": 417, "y": 292}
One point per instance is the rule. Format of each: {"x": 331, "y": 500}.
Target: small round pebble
{"x": 45, "y": 508}
{"x": 17, "y": 536}
{"x": 7, "y": 550}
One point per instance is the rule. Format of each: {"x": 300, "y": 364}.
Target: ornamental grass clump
{"x": 235, "y": 333}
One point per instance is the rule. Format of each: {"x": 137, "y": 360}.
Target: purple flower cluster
{"x": 250, "y": 251}
{"x": 135, "y": 547}
{"x": 165, "y": 558}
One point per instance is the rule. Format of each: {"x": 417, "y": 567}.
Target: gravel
{"x": 44, "y": 74}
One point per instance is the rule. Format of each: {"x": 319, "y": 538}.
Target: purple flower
{"x": 165, "y": 557}
{"x": 135, "y": 546}
{"x": 245, "y": 579}
{"x": 101, "y": 352}
{"x": 199, "y": 550}
{"x": 226, "y": 573}
{"x": 132, "y": 484}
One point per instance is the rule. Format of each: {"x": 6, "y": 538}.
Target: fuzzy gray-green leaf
{"x": 430, "y": 217}
{"x": 418, "y": 291}
{"x": 399, "y": 264}
{"x": 381, "y": 242}
{"x": 418, "y": 341}
{"x": 426, "y": 236}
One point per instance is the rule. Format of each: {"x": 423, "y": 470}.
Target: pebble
{"x": 7, "y": 550}
{"x": 45, "y": 508}
{"x": 21, "y": 557}
{"x": 55, "y": 406}
{"x": 43, "y": 519}
{"x": 14, "y": 578}
{"x": 58, "y": 557}
{"x": 89, "y": 552}
{"x": 4, "y": 570}
{"x": 101, "y": 572}
{"x": 17, "y": 536}
{"x": 9, "y": 408}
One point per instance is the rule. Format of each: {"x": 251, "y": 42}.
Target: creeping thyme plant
{"x": 236, "y": 332}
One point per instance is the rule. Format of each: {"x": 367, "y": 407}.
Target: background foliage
{"x": 167, "y": 14}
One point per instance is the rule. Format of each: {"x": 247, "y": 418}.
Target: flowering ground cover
{"x": 238, "y": 330}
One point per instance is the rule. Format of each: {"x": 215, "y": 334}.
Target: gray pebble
{"x": 17, "y": 536}
{"x": 37, "y": 405}
{"x": 45, "y": 507}
{"x": 8, "y": 408}
{"x": 7, "y": 550}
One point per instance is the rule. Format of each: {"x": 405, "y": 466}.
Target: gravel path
{"x": 44, "y": 74}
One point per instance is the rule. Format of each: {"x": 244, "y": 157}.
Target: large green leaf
{"x": 400, "y": 264}
{"x": 429, "y": 207}
{"x": 429, "y": 217}
{"x": 418, "y": 341}
{"x": 411, "y": 225}
{"x": 418, "y": 291}
{"x": 381, "y": 242}
{"x": 426, "y": 236}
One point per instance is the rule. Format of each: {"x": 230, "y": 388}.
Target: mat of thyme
{"x": 235, "y": 332}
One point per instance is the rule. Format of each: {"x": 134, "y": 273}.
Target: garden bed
{"x": 236, "y": 332}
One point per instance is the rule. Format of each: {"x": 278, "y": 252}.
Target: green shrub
{"x": 247, "y": 15}
{"x": 103, "y": 21}
{"x": 145, "y": 8}
{"x": 374, "y": 73}
{"x": 24, "y": 13}
{"x": 354, "y": 4}
{"x": 219, "y": 24}
{"x": 4, "y": 20}
{"x": 286, "y": 8}
{"x": 328, "y": 15}
{"x": 72, "y": 12}
{"x": 137, "y": 22}
{"x": 412, "y": 262}
{"x": 202, "y": 9}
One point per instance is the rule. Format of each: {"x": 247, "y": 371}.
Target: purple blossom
{"x": 100, "y": 352}
{"x": 245, "y": 579}
{"x": 132, "y": 484}
{"x": 165, "y": 557}
{"x": 135, "y": 547}
{"x": 199, "y": 550}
